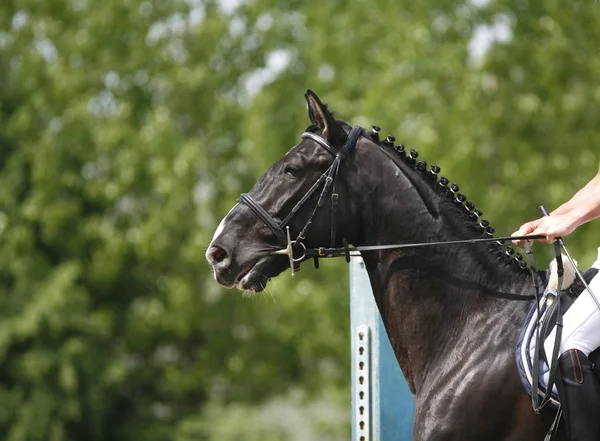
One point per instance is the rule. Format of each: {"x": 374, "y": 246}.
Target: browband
{"x": 322, "y": 142}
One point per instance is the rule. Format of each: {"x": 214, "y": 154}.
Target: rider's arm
{"x": 584, "y": 203}
{"x": 583, "y": 207}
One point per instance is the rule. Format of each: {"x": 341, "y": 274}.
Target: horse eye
{"x": 292, "y": 170}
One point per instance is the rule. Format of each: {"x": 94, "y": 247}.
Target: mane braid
{"x": 457, "y": 201}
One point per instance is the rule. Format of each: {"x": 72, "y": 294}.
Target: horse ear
{"x": 322, "y": 118}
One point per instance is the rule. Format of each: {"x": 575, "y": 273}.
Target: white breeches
{"x": 581, "y": 323}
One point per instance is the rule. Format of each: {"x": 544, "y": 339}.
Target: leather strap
{"x": 321, "y": 141}
{"x": 264, "y": 216}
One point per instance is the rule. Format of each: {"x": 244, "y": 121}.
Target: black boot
{"x": 579, "y": 392}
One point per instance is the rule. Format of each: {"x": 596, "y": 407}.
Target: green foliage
{"x": 288, "y": 418}
{"x": 129, "y": 128}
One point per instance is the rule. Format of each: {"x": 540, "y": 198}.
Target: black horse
{"x": 452, "y": 312}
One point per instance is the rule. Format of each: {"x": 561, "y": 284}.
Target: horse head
{"x": 295, "y": 193}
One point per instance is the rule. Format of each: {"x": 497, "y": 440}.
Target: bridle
{"x": 327, "y": 179}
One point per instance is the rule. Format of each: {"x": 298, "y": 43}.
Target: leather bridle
{"x": 327, "y": 180}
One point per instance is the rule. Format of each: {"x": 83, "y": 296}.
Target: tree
{"x": 130, "y": 128}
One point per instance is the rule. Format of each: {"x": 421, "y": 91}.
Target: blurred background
{"x": 128, "y": 128}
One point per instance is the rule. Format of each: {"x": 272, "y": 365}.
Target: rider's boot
{"x": 579, "y": 392}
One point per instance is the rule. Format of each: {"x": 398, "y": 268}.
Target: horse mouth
{"x": 253, "y": 275}
{"x": 244, "y": 272}
{"x": 252, "y": 278}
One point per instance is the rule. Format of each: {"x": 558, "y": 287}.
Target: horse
{"x": 452, "y": 312}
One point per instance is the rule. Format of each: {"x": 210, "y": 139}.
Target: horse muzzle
{"x": 246, "y": 276}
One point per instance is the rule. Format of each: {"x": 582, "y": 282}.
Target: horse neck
{"x": 433, "y": 299}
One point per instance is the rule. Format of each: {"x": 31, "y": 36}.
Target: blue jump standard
{"x": 382, "y": 405}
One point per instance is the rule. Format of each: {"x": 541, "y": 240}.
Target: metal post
{"x": 382, "y": 405}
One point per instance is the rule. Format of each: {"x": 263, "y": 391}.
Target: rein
{"x": 346, "y": 251}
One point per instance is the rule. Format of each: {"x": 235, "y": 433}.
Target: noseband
{"x": 328, "y": 178}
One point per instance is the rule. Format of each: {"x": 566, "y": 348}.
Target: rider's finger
{"x": 542, "y": 232}
{"x": 521, "y": 232}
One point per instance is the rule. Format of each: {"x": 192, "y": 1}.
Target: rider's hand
{"x": 552, "y": 226}
{"x": 526, "y": 230}
{"x": 556, "y": 226}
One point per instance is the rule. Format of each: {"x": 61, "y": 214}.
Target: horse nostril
{"x": 216, "y": 254}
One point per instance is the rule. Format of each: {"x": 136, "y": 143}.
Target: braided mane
{"x": 459, "y": 203}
